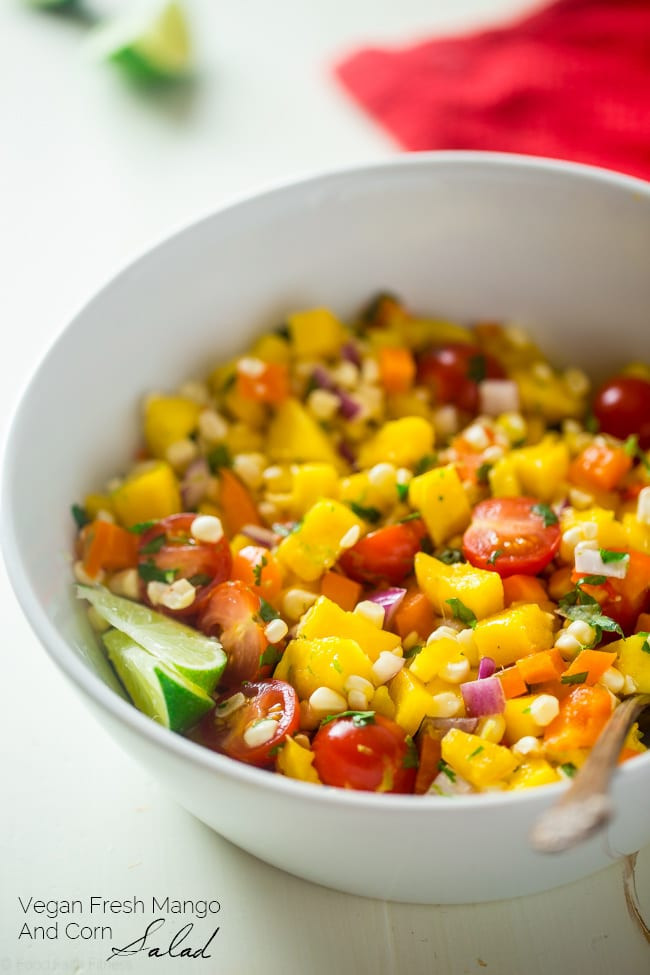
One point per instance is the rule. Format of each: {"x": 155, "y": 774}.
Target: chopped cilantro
{"x": 462, "y": 612}
{"x": 482, "y": 473}
{"x": 607, "y": 556}
{"x": 284, "y": 529}
{"x": 579, "y": 605}
{"x": 219, "y": 457}
{"x": 413, "y": 651}
{"x": 267, "y": 613}
{"x": 526, "y": 710}
{"x": 336, "y": 664}
{"x": 154, "y": 545}
{"x": 257, "y": 570}
{"x": 574, "y": 678}
{"x": 410, "y": 760}
{"x": 80, "y": 515}
{"x": 370, "y": 514}
{"x": 446, "y": 770}
{"x": 149, "y": 572}
{"x": 495, "y": 555}
{"x": 569, "y": 769}
{"x": 477, "y": 368}
{"x": 546, "y": 513}
{"x": 592, "y": 581}
{"x": 359, "y": 718}
{"x": 283, "y": 332}
{"x": 276, "y": 749}
{"x": 450, "y": 556}
{"x": 477, "y": 751}
{"x": 426, "y": 545}
{"x": 645, "y": 646}
{"x": 631, "y": 445}
{"x": 424, "y": 464}
{"x": 142, "y": 526}
{"x": 414, "y": 515}
{"x": 270, "y": 657}
{"x": 200, "y": 579}
{"x": 402, "y": 491}
{"x": 591, "y": 423}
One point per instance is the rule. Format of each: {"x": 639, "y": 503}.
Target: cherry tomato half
{"x": 384, "y": 555}
{"x": 169, "y": 545}
{"x": 270, "y": 700}
{"x": 259, "y": 569}
{"x": 624, "y": 599}
{"x": 373, "y": 756}
{"x": 512, "y": 536}
{"x": 622, "y": 407}
{"x": 231, "y": 612}
{"x": 454, "y": 372}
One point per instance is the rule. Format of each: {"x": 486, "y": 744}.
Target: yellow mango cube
{"x": 551, "y": 397}
{"x": 310, "y": 483}
{"x": 94, "y": 503}
{"x": 382, "y": 702}
{"x": 542, "y": 468}
{"x": 325, "y": 662}
{"x": 634, "y": 659}
{"x": 520, "y": 722}
{"x": 294, "y": 436}
{"x": 442, "y": 501}
{"x": 412, "y": 701}
{"x": 637, "y": 534}
{"x": 479, "y": 761}
{"x": 271, "y": 348}
{"x": 418, "y": 333}
{"x": 315, "y": 546}
{"x": 533, "y": 772}
{"x": 428, "y": 662}
{"x": 514, "y": 633}
{"x": 611, "y": 534}
{"x": 326, "y": 617}
{"x": 297, "y": 762}
{"x": 401, "y": 442}
{"x": 503, "y": 479}
{"x": 315, "y": 333}
{"x": 150, "y": 492}
{"x": 168, "y": 419}
{"x": 478, "y": 590}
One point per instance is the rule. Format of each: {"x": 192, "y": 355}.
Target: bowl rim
{"x": 85, "y": 679}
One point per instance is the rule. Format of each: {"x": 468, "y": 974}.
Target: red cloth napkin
{"x": 571, "y": 80}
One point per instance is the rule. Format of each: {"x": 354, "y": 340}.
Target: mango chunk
{"x": 412, "y": 701}
{"x": 309, "y": 483}
{"x": 478, "y": 760}
{"x": 401, "y": 442}
{"x": 533, "y": 772}
{"x": 168, "y": 419}
{"x": 382, "y": 702}
{"x": 637, "y": 535}
{"x": 325, "y": 618}
{"x": 427, "y": 664}
{"x": 323, "y": 662}
{"x": 271, "y": 348}
{"x": 441, "y": 499}
{"x": 295, "y": 437}
{"x": 479, "y": 590}
{"x": 520, "y": 722}
{"x": 150, "y": 492}
{"x": 315, "y": 333}
{"x": 634, "y": 659}
{"x": 297, "y": 762}
{"x": 514, "y": 633}
{"x": 315, "y": 546}
{"x": 542, "y": 469}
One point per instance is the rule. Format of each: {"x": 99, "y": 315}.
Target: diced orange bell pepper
{"x": 265, "y": 382}
{"x": 341, "y": 590}
{"x": 107, "y": 546}
{"x": 260, "y": 570}
{"x": 236, "y": 503}
{"x": 643, "y": 623}
{"x": 430, "y": 755}
{"x": 600, "y": 467}
{"x": 396, "y": 369}
{"x": 524, "y": 589}
{"x": 541, "y": 666}
{"x": 593, "y": 663}
{"x": 512, "y": 682}
{"x": 415, "y": 615}
{"x": 583, "y": 715}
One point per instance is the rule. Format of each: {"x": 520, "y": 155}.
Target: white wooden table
{"x": 92, "y": 172}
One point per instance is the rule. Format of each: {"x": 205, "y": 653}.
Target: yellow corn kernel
{"x": 315, "y": 333}
{"x": 382, "y": 703}
{"x": 309, "y": 483}
{"x": 634, "y": 659}
{"x": 492, "y": 727}
{"x": 478, "y": 590}
{"x": 517, "y": 631}
{"x": 295, "y": 437}
{"x": 533, "y": 772}
{"x": 94, "y": 503}
{"x": 168, "y": 419}
{"x": 412, "y": 701}
{"x": 326, "y": 617}
{"x": 316, "y": 545}
{"x": 542, "y": 468}
{"x": 441, "y": 499}
{"x": 149, "y": 493}
{"x": 400, "y": 442}
{"x": 426, "y": 665}
{"x": 271, "y": 348}
{"x": 479, "y": 761}
{"x": 326, "y": 662}
{"x": 297, "y": 762}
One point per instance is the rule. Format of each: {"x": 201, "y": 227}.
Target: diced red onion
{"x": 390, "y": 599}
{"x": 440, "y": 726}
{"x": 195, "y": 483}
{"x": 322, "y": 378}
{"x": 261, "y": 536}
{"x": 483, "y": 696}
{"x": 347, "y": 453}
{"x": 486, "y": 667}
{"x": 348, "y": 407}
{"x": 350, "y": 353}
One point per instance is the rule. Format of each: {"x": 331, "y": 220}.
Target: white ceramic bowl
{"x": 563, "y": 249}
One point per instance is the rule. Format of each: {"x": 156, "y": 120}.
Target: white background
{"x": 92, "y": 172}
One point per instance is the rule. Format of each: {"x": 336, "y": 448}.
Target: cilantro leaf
{"x": 154, "y": 545}
{"x": 546, "y": 513}
{"x": 631, "y": 445}
{"x": 482, "y": 472}
{"x": 402, "y": 492}
{"x": 141, "y": 527}
{"x": 80, "y": 515}
{"x": 607, "y": 555}
{"x": 414, "y": 651}
{"x": 477, "y": 368}
{"x": 574, "y": 678}
{"x": 359, "y": 718}
{"x": 370, "y": 513}
{"x": 446, "y": 770}
{"x": 477, "y": 751}
{"x": 424, "y": 464}
{"x": 200, "y": 579}
{"x": 645, "y": 646}
{"x": 267, "y": 613}
{"x": 462, "y": 612}
{"x": 149, "y": 572}
{"x": 257, "y": 570}
{"x": 284, "y": 529}
{"x": 270, "y": 657}
{"x": 591, "y": 424}
{"x": 569, "y": 769}
{"x": 495, "y": 555}
{"x": 450, "y": 556}
{"x": 219, "y": 457}
{"x": 414, "y": 515}
{"x": 411, "y": 759}
{"x": 591, "y": 580}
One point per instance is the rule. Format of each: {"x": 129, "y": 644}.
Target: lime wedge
{"x": 150, "y": 42}
{"x": 155, "y": 688}
{"x": 201, "y": 659}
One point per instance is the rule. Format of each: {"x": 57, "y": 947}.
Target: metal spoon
{"x": 586, "y": 805}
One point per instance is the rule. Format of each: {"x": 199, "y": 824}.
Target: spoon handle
{"x": 586, "y": 805}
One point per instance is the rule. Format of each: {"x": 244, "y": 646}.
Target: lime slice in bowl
{"x": 151, "y": 42}
{"x": 199, "y": 658}
{"x": 155, "y": 688}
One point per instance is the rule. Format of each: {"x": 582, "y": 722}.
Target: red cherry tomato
{"x": 373, "y": 756}
{"x": 454, "y": 372}
{"x": 512, "y": 536}
{"x": 273, "y": 700}
{"x": 624, "y": 599}
{"x": 622, "y": 407}
{"x": 231, "y": 612}
{"x": 169, "y": 545}
{"x": 384, "y": 555}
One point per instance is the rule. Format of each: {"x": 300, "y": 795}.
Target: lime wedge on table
{"x": 158, "y": 690}
{"x": 198, "y": 658}
{"x": 151, "y": 41}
